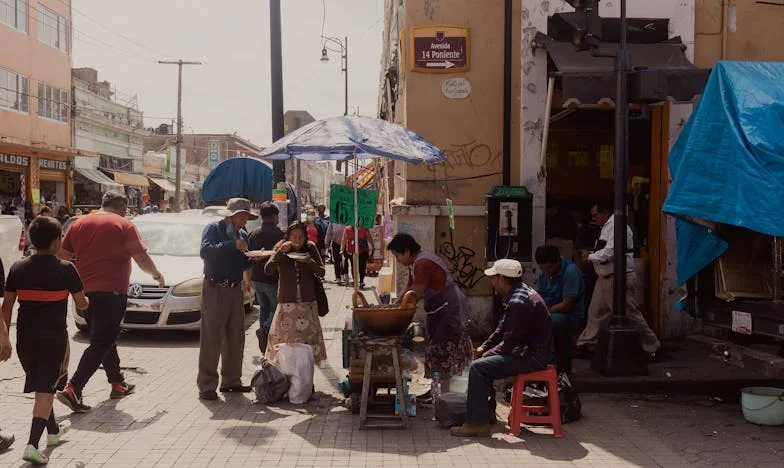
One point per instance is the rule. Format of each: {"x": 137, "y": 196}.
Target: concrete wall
{"x": 754, "y": 31}
{"x": 23, "y": 53}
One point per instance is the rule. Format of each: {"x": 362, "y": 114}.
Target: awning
{"x": 126, "y": 178}
{"x": 98, "y": 177}
{"x": 660, "y": 71}
{"x": 239, "y": 177}
{"x": 164, "y": 184}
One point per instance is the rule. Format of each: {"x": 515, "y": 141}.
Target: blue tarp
{"x": 239, "y": 177}
{"x": 727, "y": 165}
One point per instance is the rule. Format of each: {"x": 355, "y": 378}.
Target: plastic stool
{"x": 519, "y": 413}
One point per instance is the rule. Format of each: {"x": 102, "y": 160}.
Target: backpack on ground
{"x": 269, "y": 383}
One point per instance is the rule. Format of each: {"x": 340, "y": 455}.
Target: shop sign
{"x": 214, "y": 153}
{"x": 14, "y": 159}
{"x": 456, "y": 88}
{"x": 439, "y": 49}
{"x": 53, "y": 164}
{"x": 341, "y": 206}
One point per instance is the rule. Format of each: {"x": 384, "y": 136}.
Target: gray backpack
{"x": 269, "y": 383}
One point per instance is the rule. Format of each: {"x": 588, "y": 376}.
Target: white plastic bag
{"x": 296, "y": 361}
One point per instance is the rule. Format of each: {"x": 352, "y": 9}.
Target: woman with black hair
{"x": 449, "y": 349}
{"x": 296, "y": 318}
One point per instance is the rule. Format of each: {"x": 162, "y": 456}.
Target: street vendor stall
{"x": 727, "y": 191}
{"x": 249, "y": 178}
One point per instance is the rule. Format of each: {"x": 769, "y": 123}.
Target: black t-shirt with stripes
{"x": 42, "y": 284}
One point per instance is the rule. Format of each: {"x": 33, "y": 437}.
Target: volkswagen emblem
{"x": 135, "y": 290}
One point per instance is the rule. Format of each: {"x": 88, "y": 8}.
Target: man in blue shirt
{"x": 223, "y": 247}
{"x": 561, "y": 285}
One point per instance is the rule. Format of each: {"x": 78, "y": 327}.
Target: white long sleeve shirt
{"x": 602, "y": 259}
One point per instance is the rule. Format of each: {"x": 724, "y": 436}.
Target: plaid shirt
{"x": 526, "y": 322}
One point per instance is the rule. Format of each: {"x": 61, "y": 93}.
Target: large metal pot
{"x": 384, "y": 320}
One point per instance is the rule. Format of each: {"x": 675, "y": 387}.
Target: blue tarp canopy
{"x": 727, "y": 165}
{"x": 239, "y": 177}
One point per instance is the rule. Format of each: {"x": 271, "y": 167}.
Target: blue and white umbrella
{"x": 348, "y": 137}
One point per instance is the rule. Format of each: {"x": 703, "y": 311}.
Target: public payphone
{"x": 509, "y": 224}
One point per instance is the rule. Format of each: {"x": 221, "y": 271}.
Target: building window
{"x": 52, "y": 29}
{"x": 14, "y": 91}
{"x": 53, "y": 103}
{"x": 13, "y": 13}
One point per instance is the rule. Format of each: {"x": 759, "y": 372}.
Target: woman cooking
{"x": 449, "y": 349}
{"x": 296, "y": 319}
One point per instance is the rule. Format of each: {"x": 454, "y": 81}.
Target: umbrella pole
{"x": 355, "y": 263}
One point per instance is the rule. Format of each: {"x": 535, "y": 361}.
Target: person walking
{"x": 42, "y": 284}
{"x": 6, "y": 437}
{"x": 333, "y": 239}
{"x": 223, "y": 247}
{"x": 601, "y": 308}
{"x": 449, "y": 349}
{"x": 296, "y": 319}
{"x": 104, "y": 244}
{"x": 265, "y": 237}
{"x": 366, "y": 249}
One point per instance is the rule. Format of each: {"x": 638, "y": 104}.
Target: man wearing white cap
{"x": 522, "y": 343}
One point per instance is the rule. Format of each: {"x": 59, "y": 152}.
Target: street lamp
{"x": 344, "y": 61}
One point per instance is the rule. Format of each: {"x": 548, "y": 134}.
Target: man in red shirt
{"x": 104, "y": 244}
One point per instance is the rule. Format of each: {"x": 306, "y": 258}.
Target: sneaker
{"x": 53, "y": 440}
{"x": 121, "y": 390}
{"x": 34, "y": 456}
{"x": 70, "y": 398}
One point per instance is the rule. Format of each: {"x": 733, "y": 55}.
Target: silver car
{"x": 173, "y": 242}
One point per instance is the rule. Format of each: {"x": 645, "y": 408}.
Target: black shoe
{"x": 583, "y": 353}
{"x": 209, "y": 395}
{"x": 6, "y": 439}
{"x": 237, "y": 389}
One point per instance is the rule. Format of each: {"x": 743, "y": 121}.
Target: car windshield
{"x": 182, "y": 240}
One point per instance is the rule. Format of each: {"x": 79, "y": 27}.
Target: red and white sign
{"x": 439, "y": 49}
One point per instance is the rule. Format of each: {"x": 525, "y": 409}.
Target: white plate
{"x": 258, "y": 253}
{"x": 297, "y": 256}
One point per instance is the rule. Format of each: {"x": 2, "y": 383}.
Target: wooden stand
{"x": 371, "y": 345}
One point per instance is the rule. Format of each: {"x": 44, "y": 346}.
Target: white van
{"x": 12, "y": 240}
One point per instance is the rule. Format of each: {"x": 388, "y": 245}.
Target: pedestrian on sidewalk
{"x": 296, "y": 320}
{"x": 522, "y": 343}
{"x": 449, "y": 349}
{"x": 6, "y": 437}
{"x": 105, "y": 243}
{"x": 265, "y": 237}
{"x": 333, "y": 239}
{"x": 42, "y": 283}
{"x": 366, "y": 249}
{"x": 222, "y": 338}
{"x": 601, "y": 309}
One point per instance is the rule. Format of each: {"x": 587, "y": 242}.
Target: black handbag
{"x": 321, "y": 296}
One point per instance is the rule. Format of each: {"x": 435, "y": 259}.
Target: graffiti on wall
{"x": 460, "y": 260}
{"x": 472, "y": 155}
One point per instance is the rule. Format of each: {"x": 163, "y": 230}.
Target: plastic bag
{"x": 451, "y": 409}
{"x": 296, "y": 361}
{"x": 269, "y": 383}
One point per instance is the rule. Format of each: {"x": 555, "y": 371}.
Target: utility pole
{"x": 178, "y": 176}
{"x": 276, "y": 79}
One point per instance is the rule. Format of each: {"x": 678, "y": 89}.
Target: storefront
{"x": 135, "y": 186}
{"x": 13, "y": 182}
{"x": 53, "y": 182}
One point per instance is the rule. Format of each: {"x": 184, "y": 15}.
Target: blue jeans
{"x": 267, "y": 297}
{"x": 563, "y": 324}
{"x": 481, "y": 393}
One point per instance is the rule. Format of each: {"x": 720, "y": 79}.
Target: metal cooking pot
{"x": 384, "y": 320}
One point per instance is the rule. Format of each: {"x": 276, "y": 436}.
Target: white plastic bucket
{"x": 459, "y": 383}
{"x": 763, "y": 405}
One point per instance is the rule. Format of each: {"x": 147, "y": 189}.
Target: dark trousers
{"x": 339, "y": 262}
{"x": 104, "y": 317}
{"x": 563, "y": 325}
{"x": 481, "y": 393}
{"x": 363, "y": 259}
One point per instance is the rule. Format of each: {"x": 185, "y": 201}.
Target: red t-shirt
{"x": 104, "y": 244}
{"x": 428, "y": 273}
{"x": 364, "y": 233}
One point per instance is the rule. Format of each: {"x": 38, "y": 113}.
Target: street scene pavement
{"x": 165, "y": 424}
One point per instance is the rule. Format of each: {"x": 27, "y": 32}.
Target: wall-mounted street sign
{"x": 214, "y": 153}
{"x": 440, "y": 49}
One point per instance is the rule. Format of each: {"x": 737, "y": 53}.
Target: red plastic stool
{"x": 519, "y": 413}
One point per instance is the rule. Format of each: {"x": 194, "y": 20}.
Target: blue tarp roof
{"x": 239, "y": 177}
{"x": 727, "y": 165}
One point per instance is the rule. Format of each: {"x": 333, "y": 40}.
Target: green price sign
{"x": 451, "y": 213}
{"x": 341, "y": 206}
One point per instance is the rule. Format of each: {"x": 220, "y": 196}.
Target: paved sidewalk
{"x": 164, "y": 424}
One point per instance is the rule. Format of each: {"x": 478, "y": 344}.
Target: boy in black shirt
{"x": 42, "y": 283}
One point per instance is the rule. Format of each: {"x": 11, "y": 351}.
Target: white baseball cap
{"x": 505, "y": 267}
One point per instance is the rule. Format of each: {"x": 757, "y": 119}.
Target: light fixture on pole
{"x": 344, "y": 68}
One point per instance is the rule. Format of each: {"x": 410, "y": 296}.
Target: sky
{"x": 230, "y": 91}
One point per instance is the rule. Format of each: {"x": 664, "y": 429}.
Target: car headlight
{"x": 188, "y": 288}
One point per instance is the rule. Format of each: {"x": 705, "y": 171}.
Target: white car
{"x": 12, "y": 240}
{"x": 173, "y": 242}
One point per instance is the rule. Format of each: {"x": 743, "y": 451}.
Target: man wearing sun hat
{"x": 223, "y": 247}
{"x": 522, "y": 343}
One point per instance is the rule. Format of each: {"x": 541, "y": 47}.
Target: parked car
{"x": 12, "y": 240}
{"x": 173, "y": 241}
